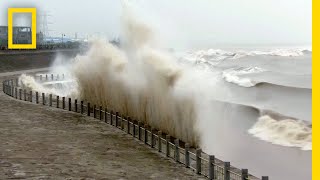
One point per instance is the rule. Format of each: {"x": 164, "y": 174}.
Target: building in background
{"x": 3, "y": 37}
{"x": 21, "y": 35}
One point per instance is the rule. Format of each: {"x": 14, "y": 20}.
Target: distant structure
{"x": 116, "y": 42}
{"x": 21, "y": 35}
{"x": 3, "y": 36}
{"x": 44, "y": 24}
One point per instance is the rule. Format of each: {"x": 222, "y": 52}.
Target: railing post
{"x": 62, "y": 76}
{"x": 159, "y": 141}
{"x": 25, "y": 94}
{"x": 111, "y": 117}
{"x": 265, "y": 178}
{"x": 37, "y": 97}
{"x": 94, "y": 111}
{"x": 76, "y": 105}
{"x": 20, "y": 94}
{"x": 198, "y": 161}
{"x": 117, "y": 118}
{"x": 43, "y": 99}
{"x": 30, "y": 96}
{"x": 187, "y": 155}
{"x": 139, "y": 131}
{"x": 50, "y": 99}
{"x": 244, "y": 174}
{"x": 211, "y": 167}
{"x": 100, "y": 113}
{"x": 10, "y": 90}
{"x": 52, "y": 77}
{"x": 16, "y": 93}
{"x": 145, "y": 134}
{"x": 168, "y": 145}
{"x": 63, "y": 102}
{"x": 128, "y": 125}
{"x": 134, "y": 128}
{"x": 152, "y": 138}
{"x": 226, "y": 170}
{"x": 122, "y": 122}
{"x": 88, "y": 106}
{"x": 177, "y": 153}
{"x": 105, "y": 116}
{"x": 69, "y": 104}
{"x": 81, "y": 107}
{"x": 58, "y": 101}
{"x": 46, "y": 77}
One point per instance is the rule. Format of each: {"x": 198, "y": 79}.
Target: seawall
{"x": 24, "y": 60}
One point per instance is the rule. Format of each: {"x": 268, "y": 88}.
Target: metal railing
{"x": 195, "y": 159}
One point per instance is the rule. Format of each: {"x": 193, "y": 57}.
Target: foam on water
{"x": 216, "y": 56}
{"x": 232, "y": 76}
{"x": 64, "y": 88}
{"x": 286, "y": 132}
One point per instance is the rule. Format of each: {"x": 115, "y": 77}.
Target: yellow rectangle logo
{"x": 33, "y": 12}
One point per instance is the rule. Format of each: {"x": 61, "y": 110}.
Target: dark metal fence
{"x": 195, "y": 159}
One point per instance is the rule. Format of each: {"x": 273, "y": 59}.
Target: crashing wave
{"x": 211, "y": 56}
{"x": 232, "y": 76}
{"x": 216, "y": 56}
{"x": 286, "y": 132}
{"x": 61, "y": 88}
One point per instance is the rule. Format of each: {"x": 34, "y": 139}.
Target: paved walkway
{"x": 38, "y": 142}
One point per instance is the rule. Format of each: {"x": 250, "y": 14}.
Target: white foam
{"x": 232, "y": 76}
{"x": 66, "y": 87}
{"x": 287, "y": 132}
{"x": 216, "y": 56}
{"x": 210, "y": 56}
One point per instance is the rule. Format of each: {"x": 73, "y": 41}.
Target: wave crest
{"x": 286, "y": 132}
{"x": 216, "y": 56}
{"x": 233, "y": 76}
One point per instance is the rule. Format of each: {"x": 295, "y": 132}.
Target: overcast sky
{"x": 201, "y": 22}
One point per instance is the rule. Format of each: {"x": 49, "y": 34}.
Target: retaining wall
{"x": 24, "y": 60}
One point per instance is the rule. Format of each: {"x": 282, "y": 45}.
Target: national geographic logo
{"x": 33, "y": 44}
